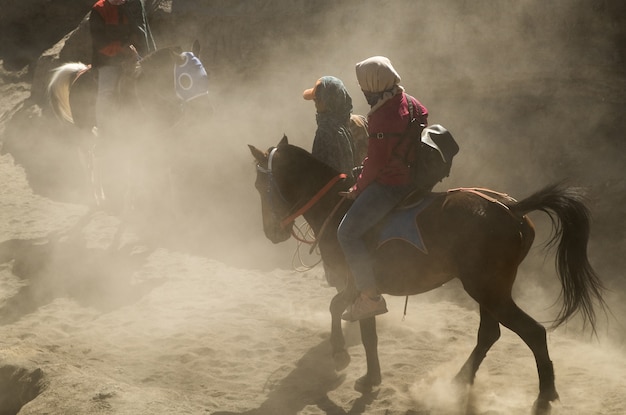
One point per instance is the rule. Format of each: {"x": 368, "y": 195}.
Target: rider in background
{"x": 384, "y": 180}
{"x": 116, "y": 26}
{"x": 333, "y": 140}
{"x": 120, "y": 36}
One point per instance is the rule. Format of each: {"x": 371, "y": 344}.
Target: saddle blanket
{"x": 401, "y": 224}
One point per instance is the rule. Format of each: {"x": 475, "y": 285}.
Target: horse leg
{"x": 534, "y": 335}
{"x": 488, "y": 334}
{"x": 369, "y": 337}
{"x": 337, "y": 341}
{"x": 88, "y": 162}
{"x": 95, "y": 178}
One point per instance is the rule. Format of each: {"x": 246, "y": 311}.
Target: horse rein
{"x": 325, "y": 224}
{"x": 308, "y": 205}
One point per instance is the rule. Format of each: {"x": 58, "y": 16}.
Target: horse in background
{"x": 476, "y": 235}
{"x": 157, "y": 94}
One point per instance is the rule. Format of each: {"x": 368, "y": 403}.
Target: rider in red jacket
{"x": 386, "y": 123}
{"x": 120, "y": 35}
{"x": 116, "y": 26}
{"x": 384, "y": 180}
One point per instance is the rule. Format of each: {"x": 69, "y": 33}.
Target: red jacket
{"x": 386, "y": 126}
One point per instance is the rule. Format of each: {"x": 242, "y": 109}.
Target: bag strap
{"x": 411, "y": 112}
{"x": 406, "y": 135}
{"x": 412, "y": 109}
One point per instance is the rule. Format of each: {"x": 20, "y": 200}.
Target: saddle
{"x": 402, "y": 222}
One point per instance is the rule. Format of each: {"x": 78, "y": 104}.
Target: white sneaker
{"x": 365, "y": 307}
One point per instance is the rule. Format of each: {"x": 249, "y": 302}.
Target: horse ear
{"x": 258, "y": 154}
{"x": 177, "y": 56}
{"x": 283, "y": 141}
{"x": 195, "y": 48}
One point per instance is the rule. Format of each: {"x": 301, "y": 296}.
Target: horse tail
{"x": 59, "y": 89}
{"x": 570, "y": 217}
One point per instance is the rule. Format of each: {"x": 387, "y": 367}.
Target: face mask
{"x": 372, "y": 97}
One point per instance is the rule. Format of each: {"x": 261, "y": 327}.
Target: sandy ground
{"x": 96, "y": 317}
{"x": 126, "y": 327}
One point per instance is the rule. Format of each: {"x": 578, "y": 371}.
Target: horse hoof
{"x": 548, "y": 395}
{"x": 542, "y": 407}
{"x": 366, "y": 384}
{"x": 341, "y": 359}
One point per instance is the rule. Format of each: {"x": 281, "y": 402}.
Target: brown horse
{"x": 475, "y": 235}
{"x": 156, "y": 94}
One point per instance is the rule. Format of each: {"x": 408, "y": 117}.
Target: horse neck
{"x": 154, "y": 88}
{"x": 324, "y": 220}
{"x": 321, "y": 212}
{"x": 302, "y": 178}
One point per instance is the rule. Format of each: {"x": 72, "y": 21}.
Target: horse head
{"x": 292, "y": 182}
{"x": 170, "y": 82}
{"x": 191, "y": 81}
{"x": 271, "y": 185}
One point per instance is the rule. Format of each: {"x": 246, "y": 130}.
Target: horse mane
{"x": 159, "y": 56}
{"x": 307, "y": 160}
{"x": 154, "y": 80}
{"x": 302, "y": 164}
{"x": 156, "y": 59}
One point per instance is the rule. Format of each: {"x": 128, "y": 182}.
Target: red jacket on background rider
{"x": 114, "y": 28}
{"x": 386, "y": 125}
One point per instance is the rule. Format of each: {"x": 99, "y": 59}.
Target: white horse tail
{"x": 59, "y": 89}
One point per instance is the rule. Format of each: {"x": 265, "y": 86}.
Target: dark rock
{"x": 29, "y": 27}
{"x": 18, "y": 386}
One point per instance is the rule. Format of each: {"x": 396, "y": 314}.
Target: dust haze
{"x": 532, "y": 91}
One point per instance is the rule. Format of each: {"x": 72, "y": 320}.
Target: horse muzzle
{"x": 277, "y": 233}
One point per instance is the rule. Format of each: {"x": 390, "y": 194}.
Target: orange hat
{"x": 309, "y": 94}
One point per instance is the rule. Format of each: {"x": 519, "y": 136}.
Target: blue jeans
{"x": 372, "y": 205}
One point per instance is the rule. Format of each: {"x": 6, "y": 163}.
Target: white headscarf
{"x": 377, "y": 75}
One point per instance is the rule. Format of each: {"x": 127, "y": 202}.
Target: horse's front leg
{"x": 369, "y": 337}
{"x": 88, "y": 164}
{"x": 337, "y": 341}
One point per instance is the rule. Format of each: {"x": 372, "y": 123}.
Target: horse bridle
{"x": 272, "y": 186}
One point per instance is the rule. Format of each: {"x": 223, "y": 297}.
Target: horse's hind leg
{"x": 534, "y": 335}
{"x": 488, "y": 334}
